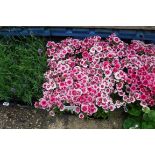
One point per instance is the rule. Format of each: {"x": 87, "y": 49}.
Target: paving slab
{"x": 27, "y": 117}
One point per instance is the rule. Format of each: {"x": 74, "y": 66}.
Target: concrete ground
{"x": 18, "y": 117}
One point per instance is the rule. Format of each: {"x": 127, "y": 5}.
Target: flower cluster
{"x": 93, "y": 73}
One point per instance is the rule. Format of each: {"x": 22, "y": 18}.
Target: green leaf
{"x": 147, "y": 125}
{"x": 151, "y": 115}
{"x": 101, "y": 114}
{"x": 134, "y": 111}
{"x": 146, "y": 117}
{"x": 146, "y": 110}
{"x": 131, "y": 123}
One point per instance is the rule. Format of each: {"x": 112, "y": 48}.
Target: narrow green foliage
{"x": 21, "y": 69}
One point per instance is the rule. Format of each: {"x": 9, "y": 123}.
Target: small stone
{"x": 6, "y": 103}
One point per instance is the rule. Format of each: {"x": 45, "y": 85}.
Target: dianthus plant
{"x": 92, "y": 73}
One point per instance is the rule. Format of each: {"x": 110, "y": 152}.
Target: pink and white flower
{"x": 69, "y": 81}
{"x": 81, "y": 116}
{"x": 86, "y": 73}
{"x": 107, "y": 72}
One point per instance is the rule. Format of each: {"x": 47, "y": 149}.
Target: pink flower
{"x": 69, "y": 81}
{"x": 52, "y": 99}
{"x": 75, "y": 70}
{"x": 137, "y": 96}
{"x": 79, "y": 92}
{"x": 133, "y": 88}
{"x": 119, "y": 85}
{"x": 107, "y": 72}
{"x": 116, "y": 39}
{"x": 90, "y": 59}
{"x": 43, "y": 103}
{"x": 106, "y": 68}
{"x": 85, "y": 55}
{"x": 99, "y": 104}
{"x": 110, "y": 55}
{"x": 102, "y": 86}
{"x": 84, "y": 90}
{"x": 50, "y": 43}
{"x": 81, "y": 115}
{"x": 89, "y": 99}
{"x": 74, "y": 93}
{"x": 117, "y": 75}
{"x": 36, "y": 105}
{"x": 92, "y": 51}
{"x": 111, "y": 107}
{"x": 77, "y": 110}
{"x": 62, "y": 85}
{"x": 143, "y": 97}
{"x": 63, "y": 67}
{"x": 99, "y": 49}
{"x": 79, "y": 76}
{"x": 132, "y": 99}
{"x": 120, "y": 46}
{"x": 62, "y": 108}
{"x": 72, "y": 64}
{"x": 84, "y": 108}
{"x": 64, "y": 52}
